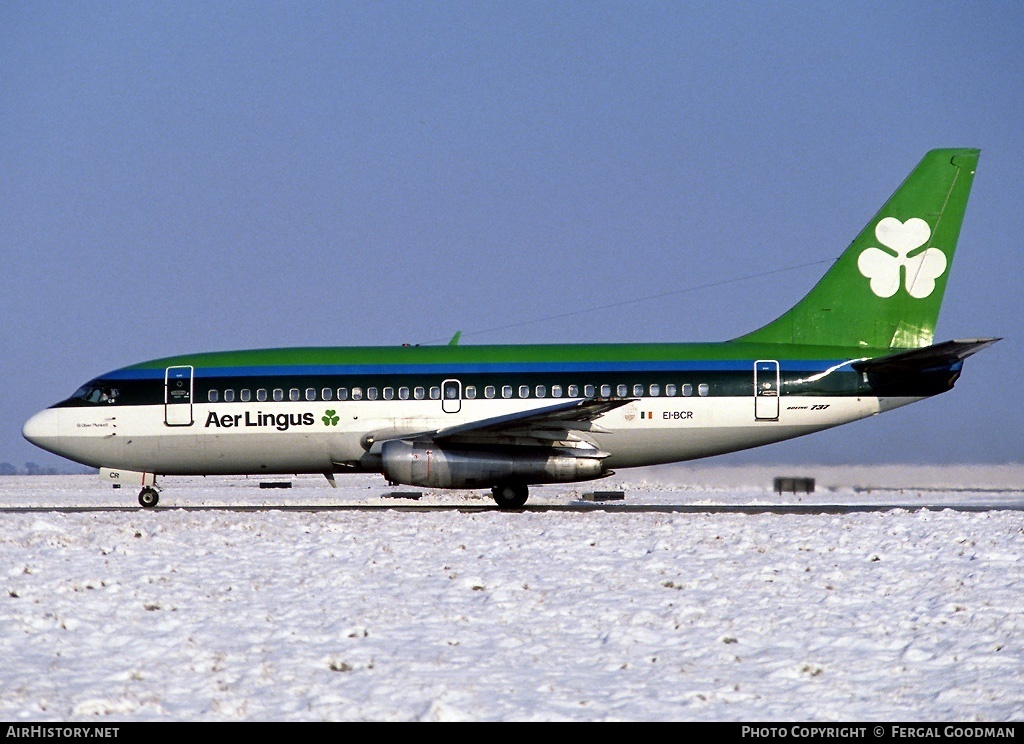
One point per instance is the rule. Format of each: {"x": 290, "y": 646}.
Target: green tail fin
{"x": 886, "y": 289}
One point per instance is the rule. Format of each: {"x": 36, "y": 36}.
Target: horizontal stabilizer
{"x": 939, "y": 356}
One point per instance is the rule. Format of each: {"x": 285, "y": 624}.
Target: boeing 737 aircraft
{"x": 507, "y": 417}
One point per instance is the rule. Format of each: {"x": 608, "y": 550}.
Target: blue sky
{"x": 181, "y": 177}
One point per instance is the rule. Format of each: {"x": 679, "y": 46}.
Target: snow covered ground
{"x": 344, "y": 614}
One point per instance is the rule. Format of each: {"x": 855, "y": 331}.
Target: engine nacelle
{"x": 432, "y": 466}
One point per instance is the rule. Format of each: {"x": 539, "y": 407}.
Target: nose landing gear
{"x": 149, "y": 497}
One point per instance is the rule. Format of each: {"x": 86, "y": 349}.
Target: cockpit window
{"x": 97, "y": 393}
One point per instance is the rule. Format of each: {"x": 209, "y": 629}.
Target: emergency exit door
{"x": 451, "y": 396}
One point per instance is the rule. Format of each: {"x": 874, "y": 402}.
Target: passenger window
{"x": 212, "y": 396}
{"x": 506, "y": 391}
{"x": 403, "y": 393}
{"x": 310, "y": 393}
{"x": 435, "y": 393}
{"x": 229, "y": 396}
{"x": 670, "y": 390}
{"x": 489, "y": 391}
{"x": 470, "y": 392}
{"x": 357, "y": 393}
{"x": 588, "y": 391}
{"x": 556, "y": 391}
{"x": 524, "y": 391}
{"x": 261, "y": 395}
{"x": 606, "y": 391}
{"x": 389, "y": 393}
{"x": 622, "y": 391}
{"x": 293, "y": 394}
{"x": 278, "y": 394}
{"x": 687, "y": 390}
{"x": 540, "y": 391}
{"x": 327, "y": 393}
{"x": 245, "y": 396}
{"x": 371, "y": 393}
{"x": 342, "y": 393}
{"x": 419, "y": 393}
{"x": 703, "y": 389}
{"x": 655, "y": 390}
{"x": 574, "y": 391}
{"x": 638, "y": 391}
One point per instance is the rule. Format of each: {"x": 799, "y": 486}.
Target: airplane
{"x": 507, "y": 417}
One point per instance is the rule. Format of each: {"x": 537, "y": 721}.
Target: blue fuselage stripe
{"x": 449, "y": 370}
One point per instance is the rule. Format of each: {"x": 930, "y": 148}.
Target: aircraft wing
{"x": 573, "y": 415}
{"x": 544, "y": 426}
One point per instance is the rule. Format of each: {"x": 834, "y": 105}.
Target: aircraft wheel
{"x": 510, "y": 495}
{"x": 148, "y": 497}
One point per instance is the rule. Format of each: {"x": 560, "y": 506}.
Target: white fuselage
{"x": 298, "y": 437}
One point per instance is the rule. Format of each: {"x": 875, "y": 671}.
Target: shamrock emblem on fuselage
{"x": 329, "y": 418}
{"x": 902, "y": 238}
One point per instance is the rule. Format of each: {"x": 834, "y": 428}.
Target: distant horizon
{"x": 32, "y": 468}
{"x": 62, "y": 466}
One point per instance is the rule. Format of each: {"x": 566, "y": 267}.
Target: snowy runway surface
{"x": 170, "y": 614}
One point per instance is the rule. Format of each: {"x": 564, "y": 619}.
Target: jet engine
{"x": 430, "y": 465}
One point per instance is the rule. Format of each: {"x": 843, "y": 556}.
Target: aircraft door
{"x": 178, "y": 396}
{"x": 766, "y": 390}
{"x": 451, "y": 396}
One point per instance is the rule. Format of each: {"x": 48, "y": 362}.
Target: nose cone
{"x": 43, "y": 430}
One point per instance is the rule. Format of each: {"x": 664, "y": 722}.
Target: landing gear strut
{"x": 148, "y": 497}
{"x": 510, "y": 495}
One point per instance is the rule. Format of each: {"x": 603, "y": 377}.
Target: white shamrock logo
{"x": 883, "y": 268}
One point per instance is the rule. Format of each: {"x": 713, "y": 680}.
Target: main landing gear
{"x": 510, "y": 495}
{"x": 149, "y": 497}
